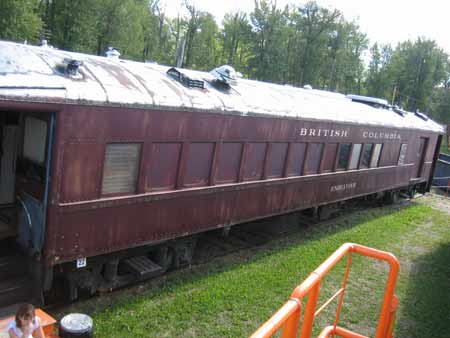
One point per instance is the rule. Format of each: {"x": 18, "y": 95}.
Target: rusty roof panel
{"x": 32, "y": 72}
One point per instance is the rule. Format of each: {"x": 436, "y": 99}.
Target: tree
{"x": 379, "y": 82}
{"x": 314, "y": 25}
{"x": 157, "y": 31}
{"x": 120, "y": 24}
{"x": 192, "y": 29}
{"x": 19, "y": 20}
{"x": 205, "y": 53}
{"x": 70, "y": 24}
{"x": 344, "y": 67}
{"x": 270, "y": 32}
{"x": 440, "y": 106}
{"x": 236, "y": 40}
{"x": 417, "y": 68}
{"x": 301, "y": 44}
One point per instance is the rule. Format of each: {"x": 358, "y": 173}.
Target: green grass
{"x": 232, "y": 296}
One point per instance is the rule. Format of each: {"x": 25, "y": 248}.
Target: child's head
{"x": 25, "y": 315}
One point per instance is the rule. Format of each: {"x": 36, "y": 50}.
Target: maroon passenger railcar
{"x": 110, "y": 168}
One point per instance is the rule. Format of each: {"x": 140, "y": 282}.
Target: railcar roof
{"x": 33, "y": 73}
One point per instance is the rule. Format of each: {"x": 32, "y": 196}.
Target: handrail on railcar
{"x": 288, "y": 317}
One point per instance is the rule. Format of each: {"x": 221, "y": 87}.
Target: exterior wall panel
{"x": 82, "y": 223}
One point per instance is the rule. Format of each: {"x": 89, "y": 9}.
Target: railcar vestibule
{"x": 138, "y": 167}
{"x": 24, "y": 161}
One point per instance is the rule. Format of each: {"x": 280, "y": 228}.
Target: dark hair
{"x": 25, "y": 311}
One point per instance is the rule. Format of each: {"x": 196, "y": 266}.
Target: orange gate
{"x": 288, "y": 316}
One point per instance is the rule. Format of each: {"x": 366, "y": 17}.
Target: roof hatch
{"x": 184, "y": 79}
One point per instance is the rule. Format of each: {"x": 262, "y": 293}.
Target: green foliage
{"x": 120, "y": 24}
{"x": 205, "y": 51}
{"x": 237, "y": 41}
{"x": 317, "y": 32}
{"x": 440, "y": 107}
{"x": 417, "y": 68}
{"x": 298, "y": 45}
{"x": 19, "y": 20}
{"x": 269, "y": 27}
{"x": 69, "y": 24}
{"x": 379, "y": 79}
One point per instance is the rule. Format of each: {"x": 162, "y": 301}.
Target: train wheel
{"x": 184, "y": 251}
{"x": 391, "y": 197}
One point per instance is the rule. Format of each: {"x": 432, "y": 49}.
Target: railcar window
{"x": 313, "y": 157}
{"x": 356, "y": 153}
{"x": 376, "y": 155}
{"x": 163, "y": 167}
{"x": 402, "y": 155}
{"x": 329, "y": 157}
{"x": 228, "y": 162}
{"x": 297, "y": 156}
{"x": 198, "y": 164}
{"x": 254, "y": 161}
{"x": 276, "y": 160}
{"x": 35, "y": 138}
{"x": 365, "y": 159}
{"x": 344, "y": 153}
{"x": 121, "y": 168}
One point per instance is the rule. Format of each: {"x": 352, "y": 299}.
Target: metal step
{"x": 16, "y": 290}
{"x": 141, "y": 267}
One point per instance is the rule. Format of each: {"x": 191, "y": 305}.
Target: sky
{"x": 384, "y": 21}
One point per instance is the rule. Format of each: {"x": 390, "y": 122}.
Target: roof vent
{"x": 112, "y": 53}
{"x": 70, "y": 68}
{"x": 225, "y": 74}
{"x": 421, "y": 115}
{"x": 307, "y": 86}
{"x": 371, "y": 101}
{"x": 43, "y": 44}
{"x": 399, "y": 111}
{"x": 184, "y": 79}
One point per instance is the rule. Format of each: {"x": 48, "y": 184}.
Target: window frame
{"x": 351, "y": 156}
{"x": 290, "y": 163}
{"x": 138, "y": 171}
{"x": 399, "y": 157}
{"x": 269, "y": 157}
{"x": 379, "y": 156}
{"x": 361, "y": 156}
{"x": 336, "y": 166}
{"x": 47, "y": 126}
{"x": 305, "y": 161}
{"x": 335, "y": 155}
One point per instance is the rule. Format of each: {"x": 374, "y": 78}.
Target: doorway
{"x": 24, "y": 158}
{"x": 420, "y": 155}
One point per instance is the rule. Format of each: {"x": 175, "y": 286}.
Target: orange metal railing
{"x": 287, "y": 318}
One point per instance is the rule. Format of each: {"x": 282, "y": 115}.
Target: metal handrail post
{"x": 288, "y": 316}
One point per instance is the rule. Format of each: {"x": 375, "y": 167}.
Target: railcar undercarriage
{"x": 108, "y": 272}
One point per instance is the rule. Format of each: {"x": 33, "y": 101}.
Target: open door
{"x": 8, "y": 156}
{"x": 420, "y": 156}
{"x": 25, "y": 140}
